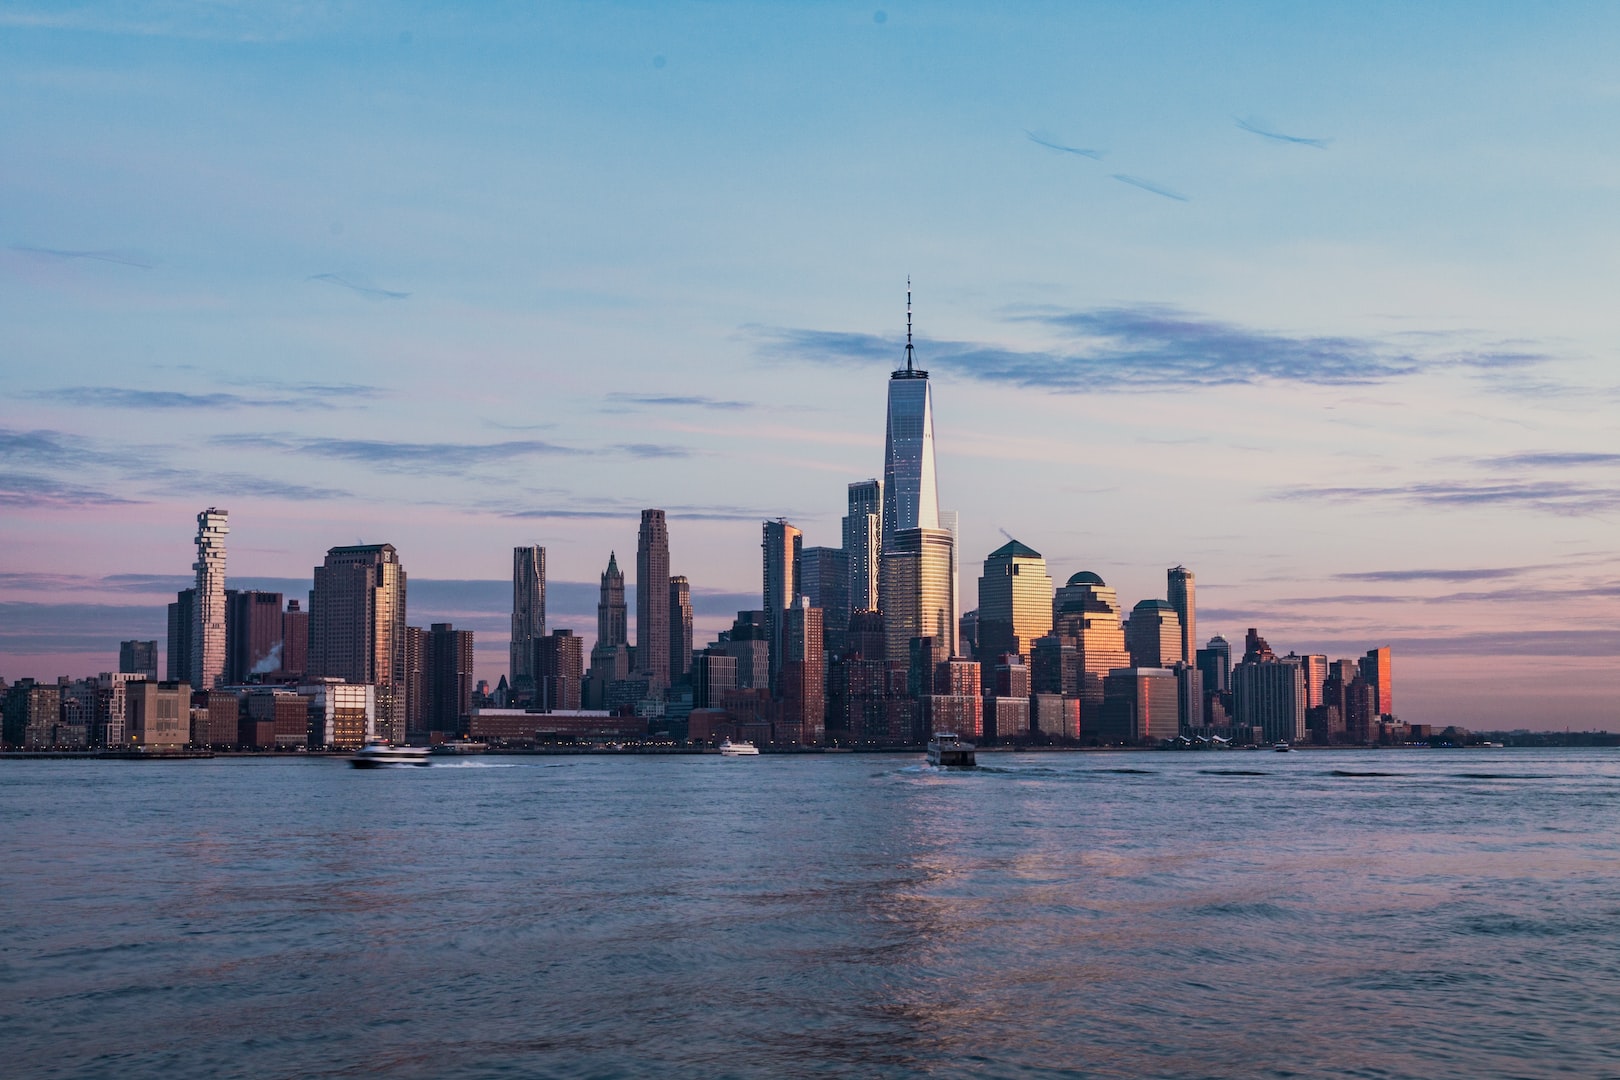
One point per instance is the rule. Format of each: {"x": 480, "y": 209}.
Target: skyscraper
{"x": 1085, "y": 613}
{"x": 138, "y": 658}
{"x": 652, "y": 599}
{"x": 447, "y": 666}
{"x": 558, "y": 666}
{"x": 208, "y": 610}
{"x": 1182, "y": 594}
{"x": 1269, "y": 695}
{"x": 612, "y": 615}
{"x": 182, "y": 623}
{"x": 254, "y": 634}
{"x": 916, "y": 592}
{"x": 1376, "y": 669}
{"x": 910, "y": 492}
{"x": 863, "y": 543}
{"x": 1015, "y": 602}
{"x": 610, "y": 656}
{"x": 294, "y": 639}
{"x": 803, "y": 675}
{"x": 1215, "y": 661}
{"x": 823, "y": 578}
{"x": 528, "y": 611}
{"x": 780, "y": 544}
{"x": 680, "y": 627}
{"x": 917, "y": 595}
{"x": 1154, "y": 636}
{"x": 357, "y": 626}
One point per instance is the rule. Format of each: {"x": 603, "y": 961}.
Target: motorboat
{"x": 379, "y": 754}
{"x": 946, "y": 748}
{"x": 1282, "y": 748}
{"x": 742, "y": 748}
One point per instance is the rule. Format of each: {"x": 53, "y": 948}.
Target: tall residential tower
{"x": 780, "y": 545}
{"x": 863, "y": 543}
{"x": 357, "y": 627}
{"x": 528, "y": 611}
{"x": 1182, "y": 595}
{"x": 652, "y": 599}
{"x": 208, "y": 609}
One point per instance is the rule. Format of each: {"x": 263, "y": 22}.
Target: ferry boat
{"x": 461, "y": 746}
{"x": 947, "y": 749}
{"x": 378, "y": 754}
{"x": 738, "y": 749}
{"x": 1282, "y": 748}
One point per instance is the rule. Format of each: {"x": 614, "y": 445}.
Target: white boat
{"x": 738, "y": 749}
{"x": 1282, "y": 748}
{"x": 378, "y": 754}
{"x": 946, "y": 748}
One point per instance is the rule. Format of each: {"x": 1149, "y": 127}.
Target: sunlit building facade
{"x": 1015, "y": 601}
{"x": 357, "y": 627}
{"x": 1086, "y": 614}
{"x": 208, "y": 659}
{"x": 916, "y": 591}
{"x": 780, "y": 546}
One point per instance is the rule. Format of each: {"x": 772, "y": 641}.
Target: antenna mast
{"x": 908, "y": 323}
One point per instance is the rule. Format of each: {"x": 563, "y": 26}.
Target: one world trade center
{"x": 917, "y": 589}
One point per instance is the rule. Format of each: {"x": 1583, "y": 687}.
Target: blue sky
{"x": 1324, "y": 310}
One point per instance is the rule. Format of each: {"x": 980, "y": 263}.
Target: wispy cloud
{"x": 1549, "y": 496}
{"x": 358, "y": 287}
{"x": 115, "y": 397}
{"x": 399, "y": 456}
{"x": 653, "y": 450}
{"x": 675, "y": 400}
{"x": 44, "y": 447}
{"x": 605, "y": 512}
{"x": 1551, "y": 460}
{"x": 120, "y": 257}
{"x": 1487, "y": 573}
{"x": 1150, "y": 186}
{"x": 1145, "y": 347}
{"x": 1260, "y": 128}
{"x": 44, "y": 492}
{"x": 1039, "y": 140}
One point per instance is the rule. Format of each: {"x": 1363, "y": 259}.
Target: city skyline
{"x": 1359, "y": 381}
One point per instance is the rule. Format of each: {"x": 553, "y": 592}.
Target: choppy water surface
{"x": 1374, "y": 914}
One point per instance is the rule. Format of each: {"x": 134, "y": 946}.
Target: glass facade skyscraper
{"x": 910, "y": 491}
{"x": 863, "y": 543}
{"x": 1015, "y": 602}
{"x": 917, "y": 594}
{"x": 1183, "y": 596}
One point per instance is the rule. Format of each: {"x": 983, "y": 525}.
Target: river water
{"x": 1382, "y": 914}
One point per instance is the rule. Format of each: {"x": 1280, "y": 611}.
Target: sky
{"x": 1316, "y": 300}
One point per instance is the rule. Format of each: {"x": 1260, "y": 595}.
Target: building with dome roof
{"x": 1086, "y": 619}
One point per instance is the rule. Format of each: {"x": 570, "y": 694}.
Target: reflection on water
{"x": 1420, "y": 914}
